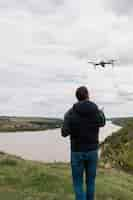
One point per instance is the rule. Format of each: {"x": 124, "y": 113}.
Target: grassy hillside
{"x": 121, "y": 121}
{"x": 27, "y": 180}
{"x": 12, "y": 124}
{"x": 118, "y": 148}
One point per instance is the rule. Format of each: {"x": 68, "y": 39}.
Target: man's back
{"x": 83, "y": 121}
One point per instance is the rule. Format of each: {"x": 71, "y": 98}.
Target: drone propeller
{"x": 113, "y": 60}
{"x": 91, "y": 62}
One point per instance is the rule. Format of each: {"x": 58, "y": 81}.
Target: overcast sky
{"x": 79, "y": 28}
{"x": 45, "y": 44}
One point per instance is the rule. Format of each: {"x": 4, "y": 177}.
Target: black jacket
{"x": 82, "y": 123}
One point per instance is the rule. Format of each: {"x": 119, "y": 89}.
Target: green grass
{"x": 118, "y": 148}
{"x": 28, "y": 180}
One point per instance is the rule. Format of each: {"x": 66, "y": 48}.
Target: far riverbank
{"x": 14, "y": 124}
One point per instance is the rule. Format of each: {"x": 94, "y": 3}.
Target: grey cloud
{"x": 45, "y": 7}
{"x": 128, "y": 96}
{"x": 35, "y": 6}
{"x": 120, "y": 7}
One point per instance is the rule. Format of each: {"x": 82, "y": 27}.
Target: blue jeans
{"x": 84, "y": 162}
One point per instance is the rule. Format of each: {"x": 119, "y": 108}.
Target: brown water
{"x": 46, "y": 146}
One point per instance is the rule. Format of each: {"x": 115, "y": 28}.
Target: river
{"x": 46, "y": 146}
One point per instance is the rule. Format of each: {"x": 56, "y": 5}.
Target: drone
{"x": 103, "y": 63}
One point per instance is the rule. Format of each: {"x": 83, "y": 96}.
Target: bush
{"x": 118, "y": 148}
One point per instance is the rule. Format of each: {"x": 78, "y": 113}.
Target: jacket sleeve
{"x": 101, "y": 120}
{"x": 66, "y": 128}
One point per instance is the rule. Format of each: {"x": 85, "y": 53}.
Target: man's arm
{"x": 101, "y": 118}
{"x": 66, "y": 129}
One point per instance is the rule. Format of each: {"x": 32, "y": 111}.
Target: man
{"x": 82, "y": 123}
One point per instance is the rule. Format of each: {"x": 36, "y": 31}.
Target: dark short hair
{"x": 82, "y": 93}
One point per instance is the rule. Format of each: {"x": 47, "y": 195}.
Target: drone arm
{"x": 90, "y": 62}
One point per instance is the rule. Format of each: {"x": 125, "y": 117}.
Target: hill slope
{"x": 27, "y": 180}
{"x": 118, "y": 148}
